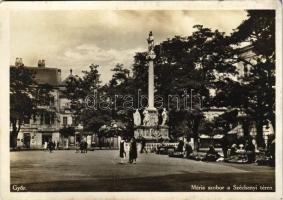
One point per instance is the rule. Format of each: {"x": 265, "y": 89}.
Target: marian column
{"x": 149, "y": 129}
{"x": 152, "y": 111}
{"x": 150, "y": 58}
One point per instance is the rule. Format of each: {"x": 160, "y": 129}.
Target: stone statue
{"x": 150, "y": 41}
{"x": 146, "y": 118}
{"x": 137, "y": 118}
{"x": 164, "y": 117}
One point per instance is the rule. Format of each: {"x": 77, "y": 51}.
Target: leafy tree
{"x": 27, "y": 99}
{"x": 77, "y": 90}
{"x": 195, "y": 62}
{"x": 258, "y": 31}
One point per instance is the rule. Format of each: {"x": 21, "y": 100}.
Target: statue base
{"x": 152, "y": 133}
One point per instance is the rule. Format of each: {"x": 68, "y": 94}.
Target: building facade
{"x": 37, "y": 131}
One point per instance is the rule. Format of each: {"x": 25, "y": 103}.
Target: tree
{"x": 259, "y": 31}
{"x": 77, "y": 90}
{"x": 195, "y": 63}
{"x": 122, "y": 85}
{"x": 26, "y": 99}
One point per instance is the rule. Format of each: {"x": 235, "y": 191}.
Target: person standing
{"x": 133, "y": 151}
{"x": 272, "y": 152}
{"x": 225, "y": 146}
{"x": 143, "y": 143}
{"x": 250, "y": 151}
{"x": 45, "y": 145}
{"x": 122, "y": 151}
{"x": 188, "y": 149}
{"x": 85, "y": 146}
{"x": 50, "y": 146}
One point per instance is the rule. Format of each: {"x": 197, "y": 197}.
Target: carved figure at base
{"x": 137, "y": 118}
{"x": 146, "y": 118}
{"x": 164, "y": 117}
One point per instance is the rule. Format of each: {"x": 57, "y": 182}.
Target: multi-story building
{"x": 46, "y": 126}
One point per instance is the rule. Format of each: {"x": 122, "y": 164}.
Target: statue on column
{"x": 146, "y": 118}
{"x": 164, "y": 117}
{"x": 137, "y": 118}
{"x": 150, "y": 41}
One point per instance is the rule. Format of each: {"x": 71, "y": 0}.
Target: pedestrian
{"x": 45, "y": 146}
{"x": 188, "y": 149}
{"x": 57, "y": 144}
{"x": 122, "y": 151}
{"x": 250, "y": 150}
{"x": 85, "y": 146}
{"x": 143, "y": 144}
{"x": 53, "y": 145}
{"x": 225, "y": 146}
{"x": 133, "y": 151}
{"x": 180, "y": 147}
{"x": 77, "y": 147}
{"x": 272, "y": 152}
{"x": 82, "y": 146}
{"x": 211, "y": 155}
{"x": 50, "y": 146}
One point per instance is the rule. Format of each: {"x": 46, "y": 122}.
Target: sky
{"x": 76, "y": 39}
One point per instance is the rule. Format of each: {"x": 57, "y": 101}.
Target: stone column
{"x": 152, "y": 111}
{"x": 150, "y": 85}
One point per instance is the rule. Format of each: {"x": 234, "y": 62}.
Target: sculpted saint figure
{"x": 146, "y": 118}
{"x": 150, "y": 41}
{"x": 164, "y": 117}
{"x": 137, "y": 118}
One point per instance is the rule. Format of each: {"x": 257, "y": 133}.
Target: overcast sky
{"x": 75, "y": 39}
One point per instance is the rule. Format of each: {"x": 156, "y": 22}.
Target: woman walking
{"x": 133, "y": 151}
{"x": 122, "y": 151}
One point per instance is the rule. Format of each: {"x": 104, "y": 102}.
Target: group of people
{"x": 242, "y": 152}
{"x": 81, "y": 146}
{"x": 51, "y": 145}
{"x": 133, "y": 153}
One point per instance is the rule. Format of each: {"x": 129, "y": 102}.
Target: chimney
{"x": 41, "y": 63}
{"x": 59, "y": 75}
{"x": 17, "y": 62}
{"x": 21, "y": 62}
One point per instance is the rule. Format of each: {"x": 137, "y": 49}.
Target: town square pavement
{"x": 100, "y": 170}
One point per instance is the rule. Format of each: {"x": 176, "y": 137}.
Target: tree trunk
{"x": 259, "y": 133}
{"x": 13, "y": 139}
{"x": 272, "y": 120}
{"x": 14, "y": 135}
{"x": 246, "y": 128}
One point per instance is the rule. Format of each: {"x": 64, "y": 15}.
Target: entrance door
{"x": 46, "y": 138}
{"x": 27, "y": 140}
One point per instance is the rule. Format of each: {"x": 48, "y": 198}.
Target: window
{"x": 52, "y": 118}
{"x": 47, "y": 118}
{"x": 51, "y": 101}
{"x": 41, "y": 119}
{"x": 26, "y": 120}
{"x": 65, "y": 121}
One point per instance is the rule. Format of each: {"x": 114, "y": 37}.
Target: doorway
{"x": 27, "y": 140}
